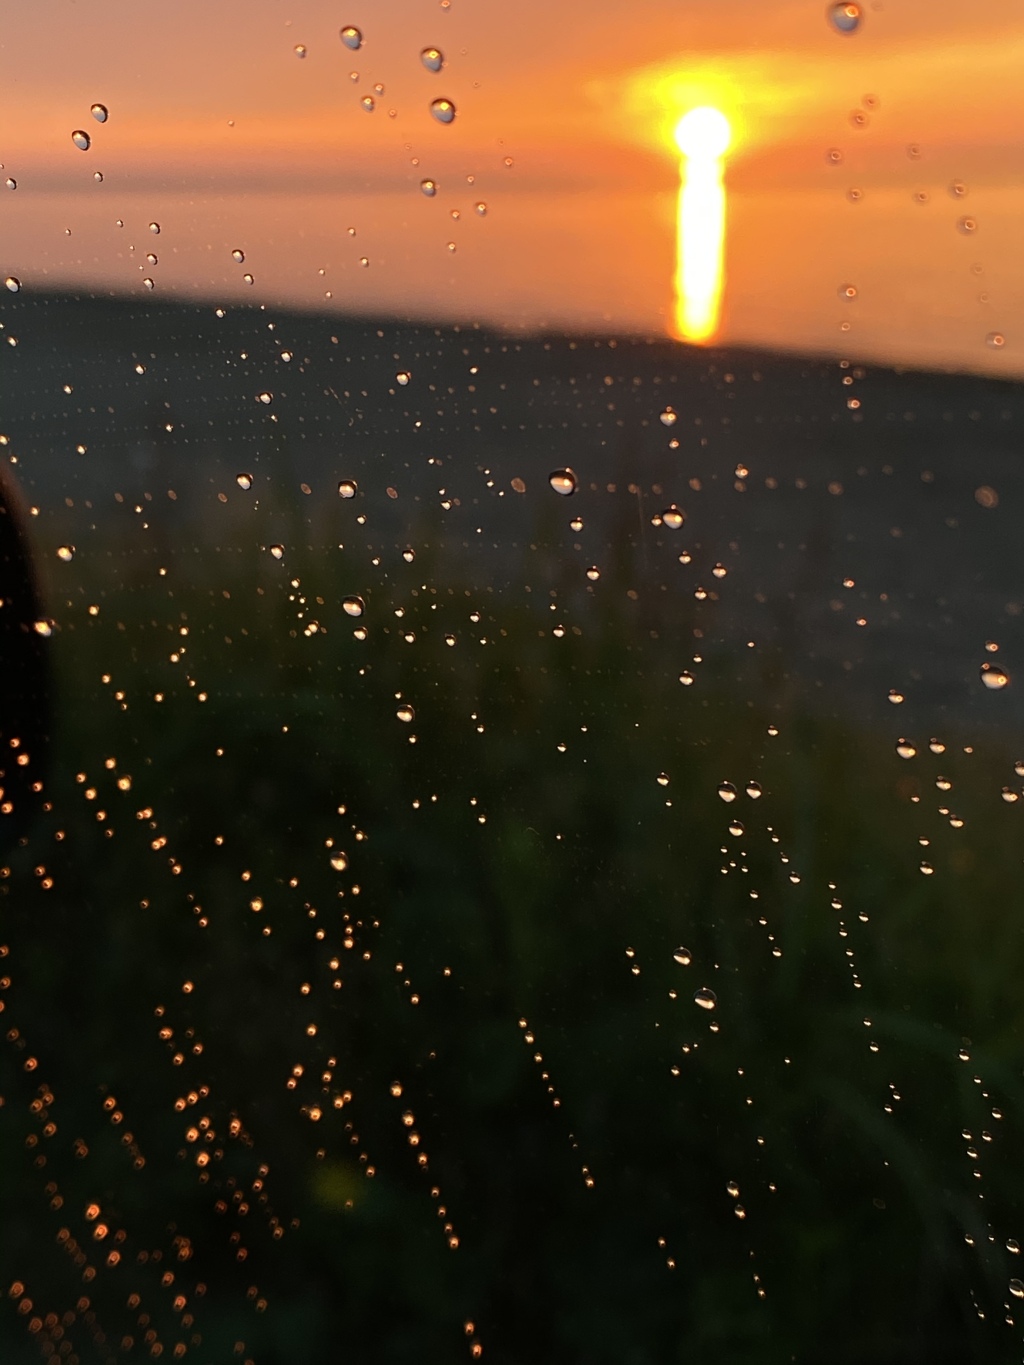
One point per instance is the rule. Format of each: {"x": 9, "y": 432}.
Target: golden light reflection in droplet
{"x": 702, "y": 136}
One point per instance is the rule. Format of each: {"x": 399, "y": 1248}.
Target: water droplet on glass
{"x": 98, "y": 177}
{"x": 576, "y": 524}
{"x": 895, "y": 697}
{"x": 736, "y": 829}
{"x": 238, "y": 255}
{"x": 994, "y": 677}
{"x": 81, "y": 139}
{"x": 683, "y": 956}
{"x": 432, "y": 58}
{"x": 754, "y": 790}
{"x": 429, "y": 188}
{"x": 347, "y": 488}
{"x": 66, "y": 553}
{"x": 368, "y": 103}
{"x": 13, "y": 283}
{"x": 848, "y": 291}
{"x": 996, "y": 340}
{"x": 967, "y": 225}
{"x": 563, "y": 481}
{"x": 100, "y": 113}
{"x": 1017, "y": 1288}
{"x": 905, "y": 749}
{"x": 402, "y": 377}
{"x": 834, "y": 156}
{"x": 727, "y": 791}
{"x": 244, "y": 481}
{"x": 481, "y": 209}
{"x": 151, "y": 258}
{"x": 720, "y": 571}
{"x": 353, "y": 606}
{"x": 265, "y": 398}
{"x": 705, "y": 998}
{"x": 958, "y": 189}
{"x": 845, "y": 17}
{"x": 155, "y": 229}
{"x": 443, "y": 110}
{"x": 667, "y": 418}
{"x": 409, "y": 555}
{"x": 11, "y": 183}
{"x": 686, "y": 678}
{"x": 406, "y": 713}
{"x": 300, "y": 49}
{"x": 662, "y": 779}
{"x": 148, "y": 283}
{"x": 593, "y": 573}
{"x": 277, "y": 551}
{"x": 352, "y": 38}
{"x": 673, "y": 517}
{"x": 339, "y": 862}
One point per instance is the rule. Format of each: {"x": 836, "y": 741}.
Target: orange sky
{"x": 220, "y": 132}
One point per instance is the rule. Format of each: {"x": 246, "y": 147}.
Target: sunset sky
{"x": 223, "y": 134}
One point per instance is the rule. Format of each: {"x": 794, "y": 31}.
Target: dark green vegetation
{"x": 523, "y": 887}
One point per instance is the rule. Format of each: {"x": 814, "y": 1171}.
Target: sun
{"x": 703, "y": 133}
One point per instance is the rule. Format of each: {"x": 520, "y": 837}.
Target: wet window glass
{"x": 511, "y": 744}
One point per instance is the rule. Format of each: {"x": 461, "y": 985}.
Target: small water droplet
{"x": 673, "y": 517}
{"x": 300, "y": 49}
{"x": 11, "y": 183}
{"x": 98, "y": 177}
{"x": 481, "y": 209}
{"x": 244, "y": 481}
{"x": 905, "y": 749}
{"x": 238, "y": 255}
{"x": 339, "y": 861}
{"x": 994, "y": 677}
{"x": 848, "y": 291}
{"x": 402, "y": 377}
{"x": 967, "y": 225}
{"x": 406, "y": 713}
{"x": 277, "y": 551}
{"x": 662, "y": 779}
{"x": 100, "y": 113}
{"x": 593, "y": 573}
{"x": 147, "y": 283}
{"x": 563, "y": 481}
{"x": 958, "y": 189}
{"x": 353, "y": 606}
{"x": 368, "y": 103}
{"x": 352, "y": 38}
{"x": 443, "y": 110}
{"x": 705, "y": 998}
{"x": 754, "y": 790}
{"x": 432, "y": 58}
{"x": 996, "y": 340}
{"x": 719, "y": 571}
{"x": 81, "y": 139}
{"x": 834, "y": 156}
{"x": 265, "y": 398}
{"x": 668, "y": 418}
{"x": 845, "y": 17}
{"x": 686, "y": 678}
{"x": 13, "y": 283}
{"x": 66, "y": 553}
{"x": 155, "y": 229}
{"x": 42, "y": 628}
{"x": 151, "y": 258}
{"x": 576, "y": 524}
{"x": 895, "y": 697}
{"x": 429, "y": 188}
{"x": 1017, "y": 1288}
{"x": 683, "y": 956}
{"x": 927, "y": 869}
{"x": 727, "y": 791}
{"x": 347, "y": 488}
{"x": 736, "y": 829}
{"x": 409, "y": 555}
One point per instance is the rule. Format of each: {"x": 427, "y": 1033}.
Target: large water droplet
{"x": 845, "y": 17}
{"x": 736, "y": 829}
{"x": 683, "y": 956}
{"x": 277, "y": 551}
{"x": 1017, "y": 1288}
{"x": 705, "y": 998}
{"x": 368, "y": 103}
{"x": 727, "y": 791}
{"x": 905, "y": 749}
{"x": 300, "y": 50}
{"x": 593, "y": 573}
{"x": 13, "y": 283}
{"x": 429, "y": 188}
{"x": 754, "y": 791}
{"x": 244, "y": 481}
{"x": 353, "y": 606}
{"x": 673, "y": 517}
{"x": 81, "y": 139}
{"x": 352, "y": 38}
{"x": 563, "y": 481}
{"x": 347, "y": 488}
{"x": 100, "y": 113}
{"x": 155, "y": 229}
{"x": 443, "y": 110}
{"x": 432, "y": 58}
{"x": 66, "y": 553}
{"x": 238, "y": 255}
{"x": 994, "y": 677}
{"x": 406, "y": 713}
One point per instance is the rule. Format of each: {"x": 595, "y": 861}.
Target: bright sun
{"x": 703, "y": 133}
